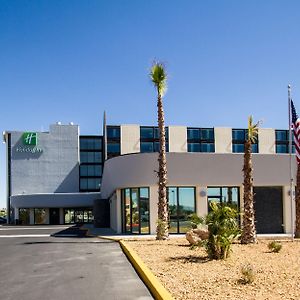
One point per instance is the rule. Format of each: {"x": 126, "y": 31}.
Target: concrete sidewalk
{"x": 108, "y": 232}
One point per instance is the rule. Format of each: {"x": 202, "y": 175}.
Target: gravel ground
{"x": 189, "y": 274}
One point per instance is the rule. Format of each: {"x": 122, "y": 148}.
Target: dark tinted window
{"x": 113, "y": 132}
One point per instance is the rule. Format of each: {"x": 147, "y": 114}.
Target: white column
{"x": 223, "y": 140}
{"x": 201, "y": 201}
{"x": 130, "y": 139}
{"x": 287, "y": 222}
{"x": 16, "y": 213}
{"x": 266, "y": 141}
{"x": 177, "y": 139}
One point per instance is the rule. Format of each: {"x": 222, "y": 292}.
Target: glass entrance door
{"x": 135, "y": 210}
{"x": 54, "y": 216}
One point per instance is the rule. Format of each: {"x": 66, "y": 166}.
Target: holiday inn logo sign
{"x": 29, "y": 139}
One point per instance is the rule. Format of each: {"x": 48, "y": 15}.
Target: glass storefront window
{"x": 78, "y": 215}
{"x": 172, "y": 195}
{"x": 24, "y": 216}
{"x": 135, "y": 210}
{"x": 40, "y": 216}
{"x": 69, "y": 216}
{"x": 225, "y": 195}
{"x": 182, "y": 203}
{"x": 127, "y": 210}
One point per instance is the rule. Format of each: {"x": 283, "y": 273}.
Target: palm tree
{"x": 248, "y": 229}
{"x": 159, "y": 79}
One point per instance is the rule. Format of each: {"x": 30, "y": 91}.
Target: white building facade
{"x": 204, "y": 165}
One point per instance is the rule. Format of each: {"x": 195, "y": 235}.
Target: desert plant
{"x": 275, "y": 246}
{"x": 195, "y": 220}
{"x": 248, "y": 273}
{"x": 223, "y": 230}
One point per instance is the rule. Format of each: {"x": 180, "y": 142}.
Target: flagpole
{"x": 291, "y": 166}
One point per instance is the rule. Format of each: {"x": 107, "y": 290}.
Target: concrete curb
{"x": 153, "y": 284}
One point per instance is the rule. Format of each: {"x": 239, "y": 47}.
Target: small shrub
{"x": 274, "y": 246}
{"x": 195, "y": 220}
{"x": 248, "y": 274}
{"x": 223, "y": 229}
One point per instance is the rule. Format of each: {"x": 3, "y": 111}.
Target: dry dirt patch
{"x": 189, "y": 274}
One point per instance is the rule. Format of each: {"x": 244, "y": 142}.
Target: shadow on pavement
{"x": 75, "y": 231}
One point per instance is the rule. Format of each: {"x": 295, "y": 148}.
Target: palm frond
{"x": 158, "y": 76}
{"x": 252, "y": 129}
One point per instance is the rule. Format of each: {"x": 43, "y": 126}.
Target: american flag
{"x": 296, "y": 130}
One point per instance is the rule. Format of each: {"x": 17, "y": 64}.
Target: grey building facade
{"x": 43, "y": 177}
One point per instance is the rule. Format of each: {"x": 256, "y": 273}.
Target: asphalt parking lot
{"x": 35, "y": 265}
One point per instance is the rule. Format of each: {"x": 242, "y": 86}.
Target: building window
{"x": 149, "y": 139}
{"x": 182, "y": 203}
{"x": 40, "y": 216}
{"x": 90, "y": 184}
{"x": 200, "y": 139}
{"x": 113, "y": 141}
{"x": 90, "y": 163}
{"x": 113, "y": 132}
{"x": 135, "y": 210}
{"x": 229, "y": 196}
{"x": 78, "y": 215}
{"x": 24, "y": 216}
{"x": 239, "y": 137}
{"x": 282, "y": 141}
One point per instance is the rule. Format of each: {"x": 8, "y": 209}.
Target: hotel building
{"x": 62, "y": 177}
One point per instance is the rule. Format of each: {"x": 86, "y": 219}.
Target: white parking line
{"x": 24, "y": 235}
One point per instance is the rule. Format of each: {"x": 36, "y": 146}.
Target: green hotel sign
{"x": 30, "y": 138}
{"x": 30, "y": 141}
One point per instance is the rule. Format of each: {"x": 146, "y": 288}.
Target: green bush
{"x": 223, "y": 230}
{"x": 248, "y": 274}
{"x": 195, "y": 220}
{"x": 274, "y": 246}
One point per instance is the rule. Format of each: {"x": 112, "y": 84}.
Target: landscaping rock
{"x": 194, "y": 236}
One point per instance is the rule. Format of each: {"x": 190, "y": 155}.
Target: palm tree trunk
{"x": 249, "y": 231}
{"x": 162, "y": 227}
{"x": 297, "y": 229}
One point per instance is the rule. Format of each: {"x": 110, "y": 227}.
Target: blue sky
{"x": 71, "y": 60}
